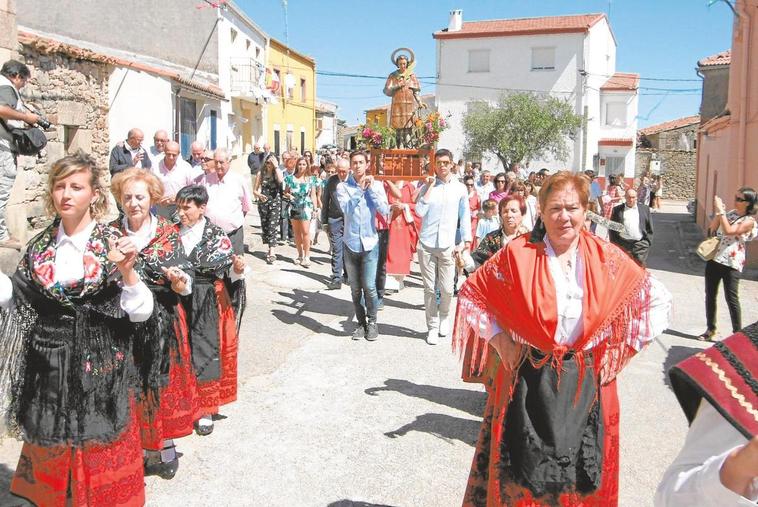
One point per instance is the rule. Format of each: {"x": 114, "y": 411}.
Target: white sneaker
{"x": 432, "y": 337}
{"x": 444, "y": 326}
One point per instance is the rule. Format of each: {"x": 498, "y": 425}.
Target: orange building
{"x": 727, "y": 151}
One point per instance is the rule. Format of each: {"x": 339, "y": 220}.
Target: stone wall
{"x": 73, "y": 94}
{"x": 677, "y": 170}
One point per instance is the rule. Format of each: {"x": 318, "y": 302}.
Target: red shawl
{"x": 516, "y": 288}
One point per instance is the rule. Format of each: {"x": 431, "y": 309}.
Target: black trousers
{"x": 237, "y": 237}
{"x": 381, "y": 266}
{"x": 714, "y": 274}
{"x": 637, "y": 249}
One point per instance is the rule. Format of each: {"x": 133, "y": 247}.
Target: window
{"x": 615, "y": 114}
{"x": 302, "y": 142}
{"x": 277, "y": 143}
{"x": 278, "y": 75}
{"x": 233, "y": 33}
{"x": 69, "y": 133}
{"x": 614, "y": 165}
{"x": 543, "y": 58}
{"x": 214, "y": 129}
{"x": 188, "y": 124}
{"x": 257, "y": 53}
{"x": 290, "y": 142}
{"x": 247, "y": 44}
{"x": 302, "y": 90}
{"x": 479, "y": 60}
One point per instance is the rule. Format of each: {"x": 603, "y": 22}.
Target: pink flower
{"x": 45, "y": 273}
{"x": 87, "y": 367}
{"x": 92, "y": 267}
{"x": 225, "y": 245}
{"x": 119, "y": 356}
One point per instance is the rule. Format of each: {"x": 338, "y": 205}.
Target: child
{"x": 490, "y": 221}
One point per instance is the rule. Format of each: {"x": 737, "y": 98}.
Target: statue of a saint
{"x": 403, "y": 86}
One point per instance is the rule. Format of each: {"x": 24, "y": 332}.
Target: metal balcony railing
{"x": 246, "y": 75}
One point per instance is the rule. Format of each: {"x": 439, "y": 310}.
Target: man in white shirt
{"x": 228, "y": 200}
{"x": 175, "y": 174}
{"x": 484, "y": 186}
{"x": 443, "y": 207}
{"x": 637, "y": 238}
{"x": 155, "y": 152}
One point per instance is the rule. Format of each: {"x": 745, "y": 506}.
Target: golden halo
{"x": 411, "y": 55}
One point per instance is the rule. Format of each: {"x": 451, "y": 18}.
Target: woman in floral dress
{"x": 68, "y": 327}
{"x": 300, "y": 189}
{"x": 163, "y": 266}
{"x": 268, "y": 191}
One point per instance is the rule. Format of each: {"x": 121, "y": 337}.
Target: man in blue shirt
{"x": 444, "y": 210}
{"x": 360, "y": 199}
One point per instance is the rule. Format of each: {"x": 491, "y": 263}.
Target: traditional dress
{"x": 66, "y": 363}
{"x": 403, "y": 233}
{"x": 213, "y": 334}
{"x": 175, "y": 416}
{"x": 718, "y": 391}
{"x": 550, "y": 429}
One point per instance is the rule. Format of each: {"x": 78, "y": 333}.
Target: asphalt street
{"x": 322, "y": 420}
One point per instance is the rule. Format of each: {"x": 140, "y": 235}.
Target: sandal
{"x": 270, "y": 259}
{"x": 707, "y": 336}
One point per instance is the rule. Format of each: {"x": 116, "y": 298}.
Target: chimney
{"x": 456, "y": 21}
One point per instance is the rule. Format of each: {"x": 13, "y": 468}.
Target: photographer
{"x": 13, "y": 76}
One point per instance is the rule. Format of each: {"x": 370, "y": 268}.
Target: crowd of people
{"x": 120, "y": 335}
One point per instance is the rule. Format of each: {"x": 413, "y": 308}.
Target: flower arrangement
{"x": 424, "y": 133}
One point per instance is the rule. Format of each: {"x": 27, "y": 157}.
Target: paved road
{"x": 325, "y": 421}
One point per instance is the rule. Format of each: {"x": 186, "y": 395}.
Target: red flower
{"x": 45, "y": 273}
{"x": 225, "y": 245}
{"x": 92, "y": 267}
{"x": 98, "y": 247}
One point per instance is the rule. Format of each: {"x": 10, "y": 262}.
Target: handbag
{"x": 707, "y": 248}
{"x": 26, "y": 141}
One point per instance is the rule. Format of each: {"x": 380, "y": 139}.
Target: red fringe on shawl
{"x": 215, "y": 393}
{"x": 178, "y": 400}
{"x": 100, "y": 474}
{"x": 624, "y": 306}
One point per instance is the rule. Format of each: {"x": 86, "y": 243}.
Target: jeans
{"x": 714, "y": 273}
{"x": 381, "y": 267}
{"x": 336, "y": 227}
{"x": 361, "y": 273}
{"x": 7, "y": 178}
{"x": 437, "y": 272}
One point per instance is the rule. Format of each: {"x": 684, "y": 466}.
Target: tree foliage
{"x": 521, "y": 127}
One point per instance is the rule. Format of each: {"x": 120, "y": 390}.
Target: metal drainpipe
{"x": 741, "y": 153}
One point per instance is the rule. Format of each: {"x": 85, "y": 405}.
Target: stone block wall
{"x": 73, "y": 94}
{"x": 677, "y": 169}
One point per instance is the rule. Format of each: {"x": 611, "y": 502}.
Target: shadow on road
{"x": 317, "y": 302}
{"x": 445, "y": 427}
{"x": 471, "y": 402}
{"x": 676, "y": 353}
{"x": 674, "y": 242}
{"x": 6, "y": 498}
{"x": 352, "y": 503}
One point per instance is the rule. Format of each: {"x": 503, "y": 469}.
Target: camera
{"x": 43, "y": 123}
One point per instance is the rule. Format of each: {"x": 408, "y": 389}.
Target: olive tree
{"x": 521, "y": 127}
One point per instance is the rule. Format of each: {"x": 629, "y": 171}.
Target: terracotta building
{"x": 727, "y": 152}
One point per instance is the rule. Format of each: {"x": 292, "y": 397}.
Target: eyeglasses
{"x": 740, "y": 199}
{"x": 469, "y": 184}
{"x": 499, "y": 181}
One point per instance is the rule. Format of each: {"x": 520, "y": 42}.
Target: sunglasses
{"x": 740, "y": 199}
{"x": 499, "y": 181}
{"x": 469, "y": 184}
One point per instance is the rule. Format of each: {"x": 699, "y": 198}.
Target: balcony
{"x": 248, "y": 79}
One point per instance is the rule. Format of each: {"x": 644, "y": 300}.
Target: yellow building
{"x": 291, "y": 120}
{"x": 380, "y": 115}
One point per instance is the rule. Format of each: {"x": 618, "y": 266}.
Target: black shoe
{"x": 380, "y": 306}
{"x": 372, "y": 331}
{"x": 360, "y": 332}
{"x": 163, "y": 470}
{"x": 334, "y": 284}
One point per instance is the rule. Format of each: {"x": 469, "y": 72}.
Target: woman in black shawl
{"x": 67, "y": 333}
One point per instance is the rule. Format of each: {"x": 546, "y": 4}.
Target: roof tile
{"x": 622, "y": 81}
{"x": 723, "y": 58}
{"x": 670, "y": 125}
{"x": 523, "y": 26}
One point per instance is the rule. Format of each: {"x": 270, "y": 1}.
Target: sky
{"x": 659, "y": 39}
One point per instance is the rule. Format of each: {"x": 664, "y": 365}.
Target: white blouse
{"x": 569, "y": 293}
{"x": 136, "y": 300}
{"x": 693, "y": 478}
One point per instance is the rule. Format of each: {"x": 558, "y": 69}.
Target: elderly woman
{"x": 68, "y": 329}
{"x": 511, "y": 210}
{"x": 213, "y": 331}
{"x": 564, "y": 312}
{"x": 734, "y": 229}
{"x": 162, "y": 265}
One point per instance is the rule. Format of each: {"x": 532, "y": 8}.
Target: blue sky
{"x": 656, "y": 38}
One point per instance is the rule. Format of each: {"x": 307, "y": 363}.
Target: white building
{"x": 326, "y": 123}
{"x": 242, "y": 47}
{"x": 571, "y": 57}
